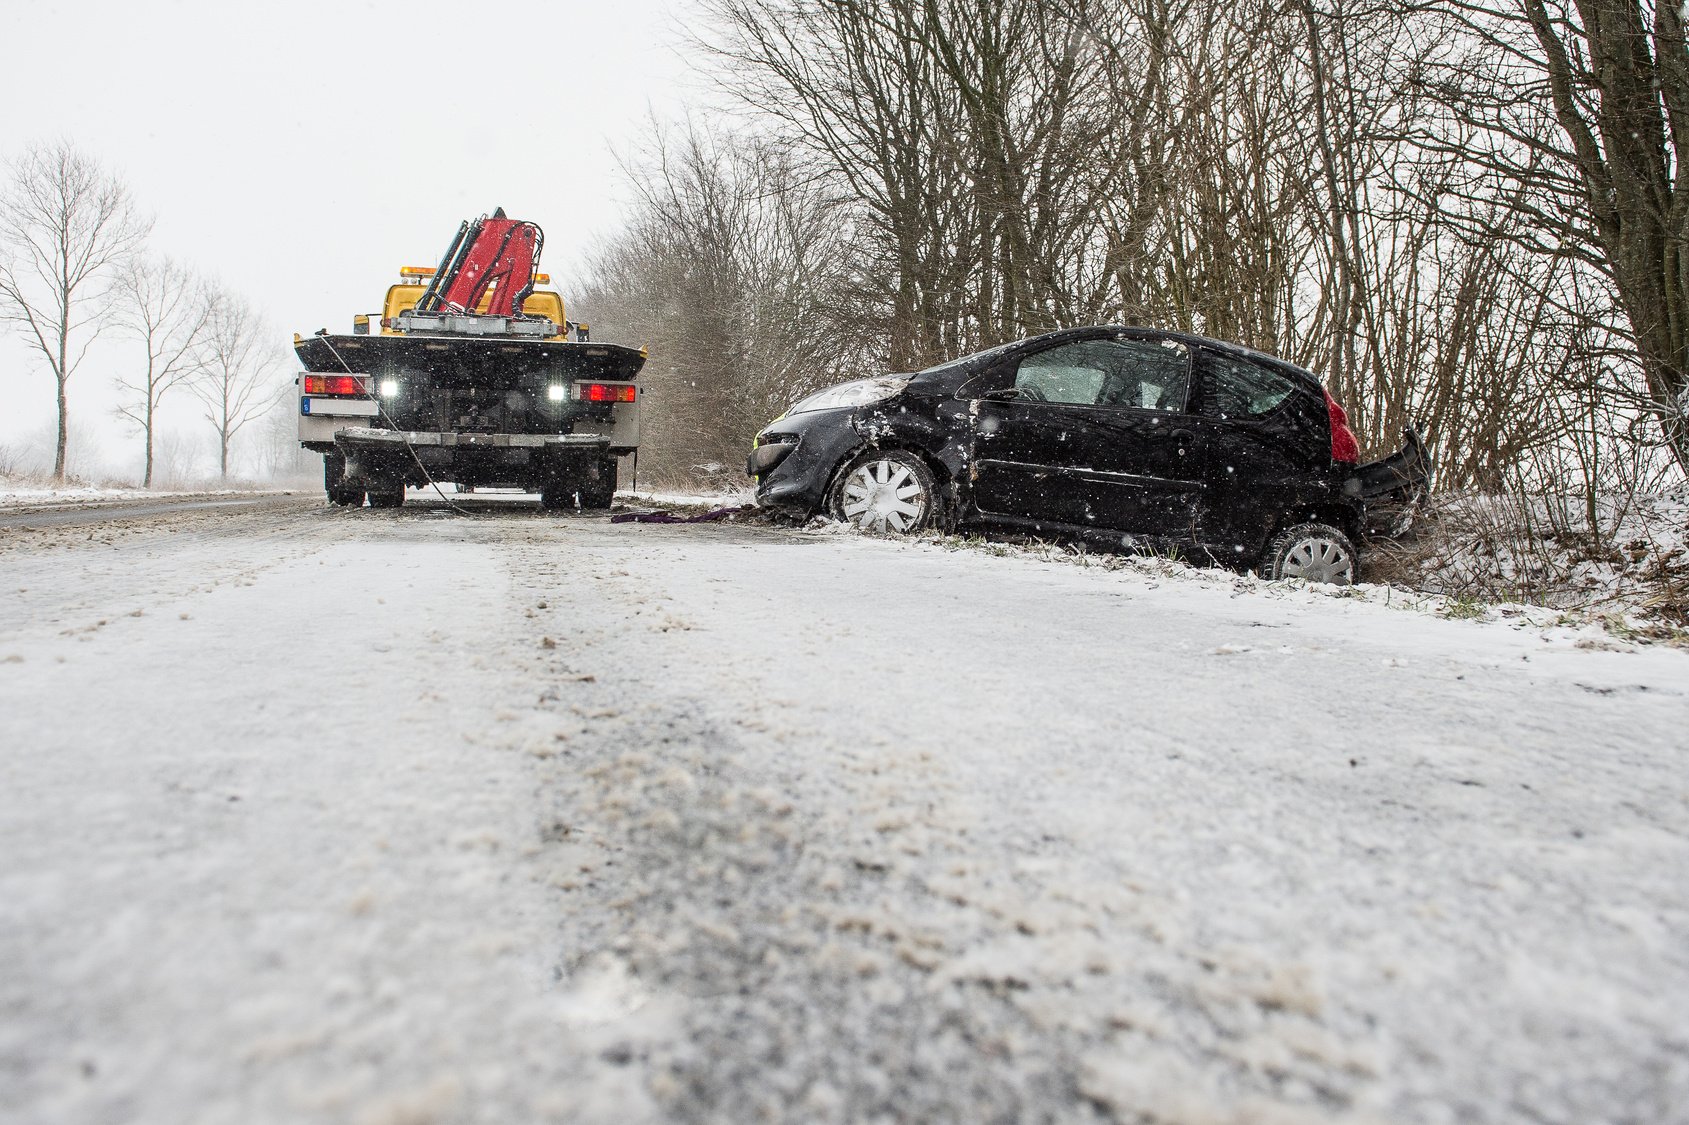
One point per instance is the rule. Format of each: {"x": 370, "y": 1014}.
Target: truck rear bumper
{"x": 359, "y": 436}
{"x": 528, "y": 460}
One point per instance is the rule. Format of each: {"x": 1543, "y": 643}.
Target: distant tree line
{"x": 1469, "y": 215}
{"x": 74, "y": 266}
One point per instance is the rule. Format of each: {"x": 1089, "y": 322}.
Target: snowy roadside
{"x": 1611, "y": 613}
{"x": 1622, "y": 558}
{"x": 14, "y": 495}
{"x": 1612, "y": 629}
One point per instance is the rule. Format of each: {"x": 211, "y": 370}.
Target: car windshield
{"x": 988, "y": 353}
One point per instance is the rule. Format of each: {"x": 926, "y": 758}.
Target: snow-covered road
{"x": 315, "y": 815}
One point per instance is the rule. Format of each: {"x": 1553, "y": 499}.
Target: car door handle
{"x": 1183, "y": 440}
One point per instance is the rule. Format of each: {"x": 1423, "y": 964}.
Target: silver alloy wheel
{"x": 1316, "y": 558}
{"x": 884, "y": 495}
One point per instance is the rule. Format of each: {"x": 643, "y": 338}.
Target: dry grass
{"x": 1483, "y": 549}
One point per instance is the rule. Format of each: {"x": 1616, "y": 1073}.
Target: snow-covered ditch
{"x": 1623, "y": 560}
{"x": 1472, "y": 557}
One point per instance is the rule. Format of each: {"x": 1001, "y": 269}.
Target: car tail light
{"x": 604, "y": 392}
{"x": 1345, "y": 449}
{"x": 343, "y": 385}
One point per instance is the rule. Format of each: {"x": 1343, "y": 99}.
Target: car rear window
{"x": 1237, "y": 388}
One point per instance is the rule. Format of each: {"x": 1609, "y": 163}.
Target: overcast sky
{"x": 303, "y": 151}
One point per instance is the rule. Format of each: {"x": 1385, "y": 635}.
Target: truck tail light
{"x": 343, "y": 385}
{"x": 605, "y": 392}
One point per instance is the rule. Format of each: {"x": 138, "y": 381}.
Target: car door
{"x": 1088, "y": 434}
{"x": 1263, "y": 444}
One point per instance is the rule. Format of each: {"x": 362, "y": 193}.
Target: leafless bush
{"x": 1534, "y": 547}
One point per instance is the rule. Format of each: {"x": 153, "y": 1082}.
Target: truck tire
{"x": 390, "y": 497}
{"x": 334, "y": 476}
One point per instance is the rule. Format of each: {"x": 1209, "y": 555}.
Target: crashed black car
{"x": 1119, "y": 436}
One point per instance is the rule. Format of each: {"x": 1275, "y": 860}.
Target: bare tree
{"x": 1577, "y": 113}
{"x": 1392, "y": 195}
{"x": 237, "y": 383}
{"x": 168, "y": 311}
{"x": 732, "y": 271}
{"x": 65, "y": 225}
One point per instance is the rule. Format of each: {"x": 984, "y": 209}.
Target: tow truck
{"x": 472, "y": 376}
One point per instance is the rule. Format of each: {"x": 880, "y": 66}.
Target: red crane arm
{"x": 487, "y": 251}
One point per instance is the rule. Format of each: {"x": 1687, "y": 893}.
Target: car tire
{"x": 886, "y": 492}
{"x": 387, "y": 497}
{"x": 1316, "y": 552}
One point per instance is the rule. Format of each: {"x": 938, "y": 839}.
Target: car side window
{"x": 1072, "y": 373}
{"x": 1142, "y": 374}
{"x": 1237, "y": 388}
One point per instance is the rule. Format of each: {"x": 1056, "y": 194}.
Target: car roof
{"x": 1102, "y": 331}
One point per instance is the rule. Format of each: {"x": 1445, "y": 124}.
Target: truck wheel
{"x": 387, "y": 497}
{"x": 600, "y": 493}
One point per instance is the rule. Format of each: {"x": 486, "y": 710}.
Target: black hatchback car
{"x": 1120, "y": 436}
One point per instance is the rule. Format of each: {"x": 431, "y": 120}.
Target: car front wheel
{"x": 1315, "y": 552}
{"x": 885, "y": 491}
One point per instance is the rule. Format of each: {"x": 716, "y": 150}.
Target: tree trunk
{"x": 146, "y": 476}
{"x": 64, "y": 435}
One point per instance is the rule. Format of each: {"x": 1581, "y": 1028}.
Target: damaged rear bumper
{"x": 1393, "y": 488}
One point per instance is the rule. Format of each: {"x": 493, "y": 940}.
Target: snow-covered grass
{"x": 1472, "y": 557}
{"x": 1588, "y": 629}
{"x": 1625, "y": 561}
{"x": 21, "y": 492}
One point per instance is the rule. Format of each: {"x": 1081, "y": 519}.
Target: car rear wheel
{"x": 885, "y": 491}
{"x": 1315, "y": 552}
